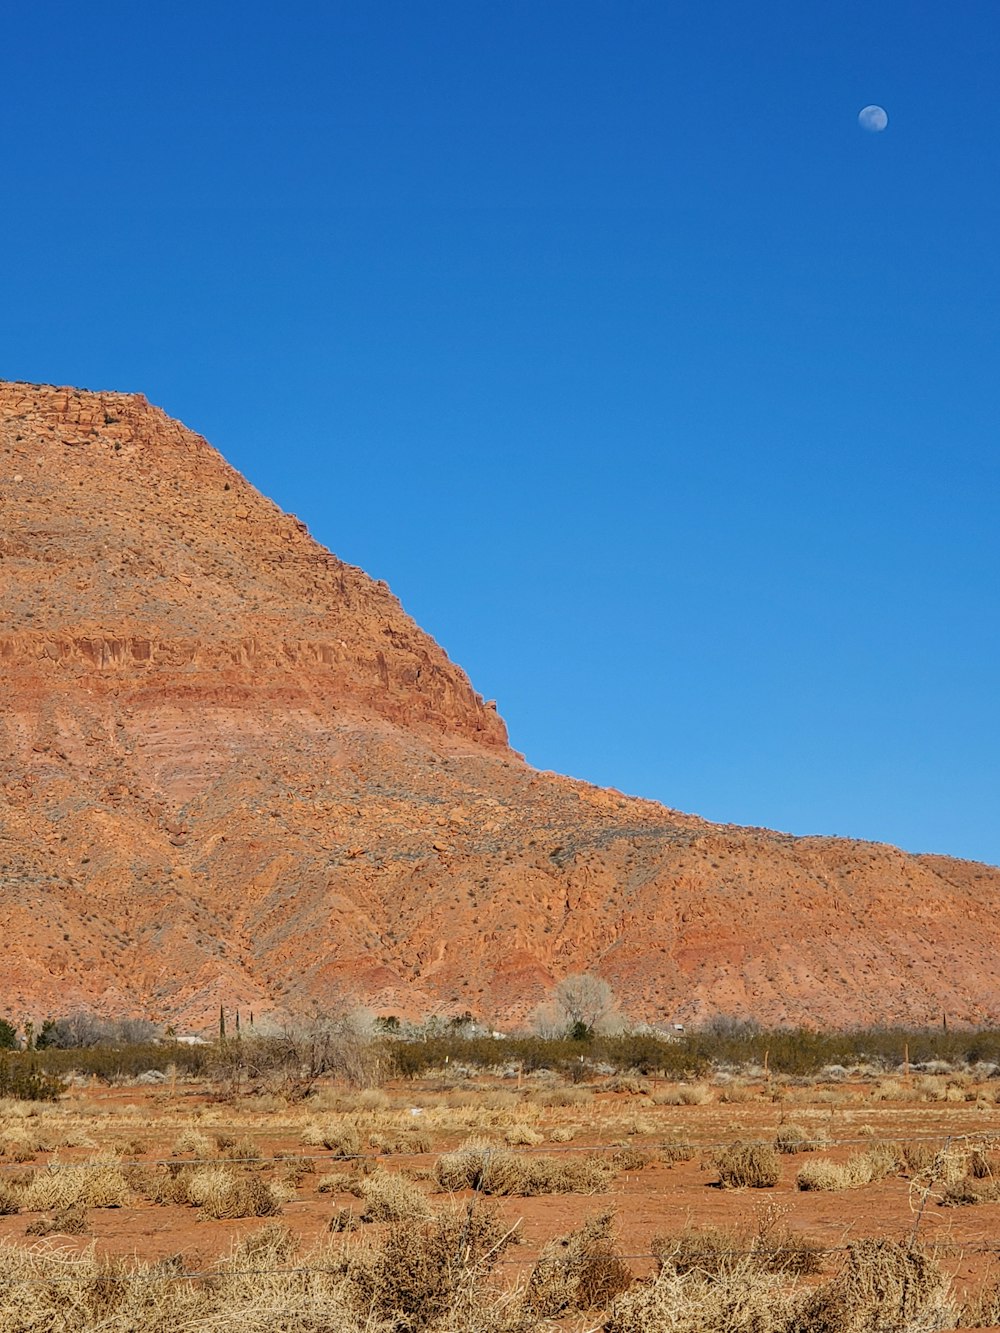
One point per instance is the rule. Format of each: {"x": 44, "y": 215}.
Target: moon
{"x": 873, "y": 119}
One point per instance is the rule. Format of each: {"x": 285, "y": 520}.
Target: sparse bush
{"x": 523, "y": 1135}
{"x": 738, "y": 1297}
{"x": 791, "y": 1139}
{"x": 884, "y": 1286}
{"x": 391, "y": 1198}
{"x": 970, "y": 1190}
{"x": 20, "y": 1079}
{"x": 432, "y": 1268}
{"x": 578, "y": 1271}
{"x": 70, "y": 1221}
{"x": 191, "y": 1141}
{"x": 748, "y": 1166}
{"x": 87, "y": 1030}
{"x": 496, "y": 1171}
{"x": 222, "y": 1193}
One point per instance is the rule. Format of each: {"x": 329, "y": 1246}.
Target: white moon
{"x": 873, "y": 119}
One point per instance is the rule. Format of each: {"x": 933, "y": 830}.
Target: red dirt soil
{"x": 658, "y": 1199}
{"x": 233, "y": 771}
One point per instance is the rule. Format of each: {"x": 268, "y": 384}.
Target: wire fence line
{"x": 948, "y": 1250}
{"x": 819, "y": 1142}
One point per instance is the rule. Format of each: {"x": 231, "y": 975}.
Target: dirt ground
{"x": 661, "y": 1197}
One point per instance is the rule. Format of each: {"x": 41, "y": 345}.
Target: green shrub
{"x": 21, "y": 1080}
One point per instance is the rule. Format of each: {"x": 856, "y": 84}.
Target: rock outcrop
{"x": 233, "y": 770}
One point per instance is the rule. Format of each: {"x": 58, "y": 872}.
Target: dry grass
{"x": 883, "y": 1287}
{"x": 748, "y": 1166}
{"x": 68, "y": 1222}
{"x": 192, "y": 1142}
{"x": 521, "y": 1135}
{"x": 714, "y": 1250}
{"x": 99, "y": 1183}
{"x": 496, "y": 1171}
{"x": 578, "y": 1271}
{"x": 791, "y": 1138}
{"x": 739, "y": 1297}
{"x": 864, "y": 1168}
{"x": 683, "y": 1094}
{"x": 223, "y": 1193}
{"x": 391, "y": 1198}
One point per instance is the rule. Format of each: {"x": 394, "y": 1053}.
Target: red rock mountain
{"x": 233, "y": 770}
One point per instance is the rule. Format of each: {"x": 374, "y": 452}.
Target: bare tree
{"x": 581, "y": 1005}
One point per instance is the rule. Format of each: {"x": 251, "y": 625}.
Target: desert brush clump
{"x": 739, "y": 1297}
{"x": 98, "y": 1183}
{"x": 711, "y": 1250}
{"x": 223, "y": 1193}
{"x": 578, "y": 1271}
{"x": 864, "y": 1168}
{"x": 521, "y": 1135}
{"x": 497, "y": 1171}
{"x": 193, "y": 1142}
{"x": 884, "y": 1286}
{"x": 341, "y": 1137}
{"x": 389, "y": 1197}
{"x": 748, "y": 1166}
{"x": 683, "y": 1094}
{"x": 70, "y": 1221}
{"x": 791, "y": 1138}
{"x": 433, "y": 1270}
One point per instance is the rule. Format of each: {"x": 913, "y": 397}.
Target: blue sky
{"x": 661, "y": 393}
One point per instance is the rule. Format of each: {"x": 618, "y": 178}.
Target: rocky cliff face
{"x": 232, "y": 770}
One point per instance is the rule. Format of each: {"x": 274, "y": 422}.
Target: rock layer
{"x": 232, "y": 770}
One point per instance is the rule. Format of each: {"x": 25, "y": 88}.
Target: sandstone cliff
{"x": 233, "y": 770}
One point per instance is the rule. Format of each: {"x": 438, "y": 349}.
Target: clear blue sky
{"x": 661, "y": 393}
